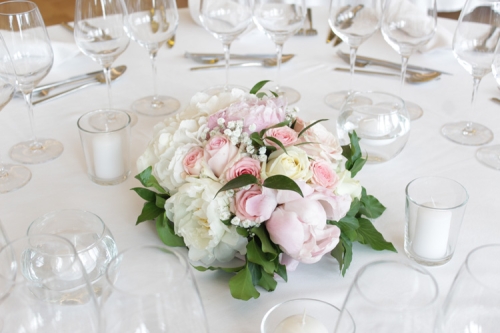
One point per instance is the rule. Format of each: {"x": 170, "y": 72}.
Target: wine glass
{"x": 354, "y": 22}
{"x": 100, "y": 34}
{"x": 474, "y": 45}
{"x": 225, "y": 20}
{"x": 44, "y": 288}
{"x": 151, "y": 23}
{"x": 406, "y": 25}
{"x": 490, "y": 155}
{"x": 390, "y": 296}
{"x": 3, "y": 241}
{"x": 154, "y": 295}
{"x": 473, "y": 302}
{"x": 12, "y": 176}
{"x": 29, "y": 47}
{"x": 280, "y": 19}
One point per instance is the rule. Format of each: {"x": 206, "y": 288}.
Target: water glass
{"x": 473, "y": 302}
{"x": 388, "y": 297}
{"x": 89, "y": 235}
{"x": 383, "y": 124}
{"x": 106, "y": 147}
{"x": 44, "y": 288}
{"x": 435, "y": 207}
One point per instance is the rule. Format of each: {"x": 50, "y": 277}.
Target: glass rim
{"x": 471, "y": 272}
{"x": 127, "y": 124}
{"x": 33, "y": 6}
{"x": 158, "y": 294}
{"x": 408, "y": 264}
{"x": 463, "y": 203}
{"x": 101, "y": 234}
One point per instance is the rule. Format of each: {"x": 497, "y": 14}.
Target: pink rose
{"x": 193, "y": 160}
{"x": 255, "y": 204}
{"x": 261, "y": 113}
{"x": 219, "y": 152}
{"x": 246, "y": 165}
{"x": 323, "y": 143}
{"x": 285, "y": 135}
{"x": 323, "y": 174}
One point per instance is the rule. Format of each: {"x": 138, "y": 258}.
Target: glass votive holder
{"x": 382, "y": 124}
{"x": 300, "y": 315}
{"x": 105, "y": 137}
{"x": 435, "y": 208}
{"x": 89, "y": 235}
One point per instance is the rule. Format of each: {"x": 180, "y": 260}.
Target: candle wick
{"x": 304, "y": 318}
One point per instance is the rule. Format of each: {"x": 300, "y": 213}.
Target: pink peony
{"x": 323, "y": 144}
{"x": 219, "y": 152}
{"x": 246, "y": 165}
{"x": 255, "y": 204}
{"x": 261, "y": 113}
{"x": 193, "y": 160}
{"x": 323, "y": 174}
{"x": 285, "y": 135}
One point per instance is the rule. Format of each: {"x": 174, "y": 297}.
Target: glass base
{"x": 336, "y": 99}
{"x": 30, "y": 152}
{"x": 159, "y": 106}
{"x": 489, "y": 156}
{"x": 110, "y": 181}
{"x": 216, "y": 90}
{"x": 292, "y": 96}
{"x": 456, "y": 132}
{"x": 426, "y": 261}
{"x": 13, "y": 177}
{"x": 414, "y": 110}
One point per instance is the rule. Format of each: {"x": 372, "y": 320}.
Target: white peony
{"x": 348, "y": 185}
{"x": 202, "y": 104}
{"x": 195, "y": 211}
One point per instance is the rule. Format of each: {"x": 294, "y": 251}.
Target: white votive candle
{"x": 108, "y": 156}
{"x": 432, "y": 230}
{"x": 372, "y": 131}
{"x": 301, "y": 324}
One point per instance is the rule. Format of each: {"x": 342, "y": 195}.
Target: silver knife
{"x": 73, "y": 79}
{"x": 220, "y": 56}
{"x": 385, "y": 63}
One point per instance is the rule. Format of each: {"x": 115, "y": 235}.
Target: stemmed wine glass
{"x": 151, "y": 23}
{"x": 225, "y": 20}
{"x": 29, "y": 47}
{"x": 406, "y": 25}
{"x": 474, "y": 43}
{"x": 490, "y": 155}
{"x": 12, "y": 176}
{"x": 100, "y": 34}
{"x": 280, "y": 19}
{"x": 354, "y": 22}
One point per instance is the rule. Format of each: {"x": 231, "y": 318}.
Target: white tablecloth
{"x": 63, "y": 183}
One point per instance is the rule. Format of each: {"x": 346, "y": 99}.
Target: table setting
{"x": 260, "y": 186}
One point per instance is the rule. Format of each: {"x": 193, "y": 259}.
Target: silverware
{"x": 362, "y": 61}
{"x": 212, "y": 61}
{"x": 269, "y": 62}
{"x": 496, "y": 100}
{"x": 206, "y": 57}
{"x": 413, "y": 77}
{"x": 344, "y": 19}
{"x": 311, "y": 31}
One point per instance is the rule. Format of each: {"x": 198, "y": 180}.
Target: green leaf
{"x": 274, "y": 93}
{"x": 354, "y": 208}
{"x": 348, "y": 222}
{"x": 165, "y": 230}
{"x": 352, "y": 153}
{"x": 149, "y": 212}
{"x": 257, "y": 139}
{"x": 372, "y": 237}
{"x": 343, "y": 253}
{"x": 357, "y": 166}
{"x": 160, "y": 202}
{"x": 356, "y": 150}
{"x": 260, "y": 94}
{"x": 258, "y": 87}
{"x": 276, "y": 141}
{"x": 225, "y": 269}
{"x": 281, "y": 271}
{"x": 282, "y": 124}
{"x": 280, "y": 182}
{"x": 147, "y": 179}
{"x": 255, "y": 255}
{"x": 240, "y": 181}
{"x": 263, "y": 235}
{"x": 268, "y": 282}
{"x": 310, "y": 125}
{"x": 241, "y": 285}
{"x": 144, "y": 193}
{"x": 242, "y": 231}
{"x": 371, "y": 207}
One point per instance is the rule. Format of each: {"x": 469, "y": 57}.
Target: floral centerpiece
{"x": 240, "y": 175}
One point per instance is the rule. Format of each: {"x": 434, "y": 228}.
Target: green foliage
{"x": 255, "y": 89}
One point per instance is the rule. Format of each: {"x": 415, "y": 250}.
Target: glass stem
{"x": 152, "y": 56}
{"x": 352, "y": 63}
{"x": 3, "y": 172}
{"x": 227, "y": 55}
{"x": 34, "y": 140}
{"x": 404, "y": 65}
{"x": 468, "y": 130}
{"x": 107, "y": 75}
{"x": 279, "y": 54}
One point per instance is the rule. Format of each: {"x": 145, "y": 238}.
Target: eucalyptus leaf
{"x": 280, "y": 182}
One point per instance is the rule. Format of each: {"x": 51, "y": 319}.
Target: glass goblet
{"x": 29, "y": 47}
{"x": 163, "y": 297}
{"x": 406, "y": 25}
{"x": 100, "y": 34}
{"x": 151, "y": 23}
{"x": 225, "y": 20}
{"x": 354, "y": 22}
{"x": 280, "y": 19}
{"x": 3, "y": 239}
{"x": 473, "y": 302}
{"x": 474, "y": 43}
{"x": 44, "y": 288}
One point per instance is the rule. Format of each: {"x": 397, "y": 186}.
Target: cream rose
{"x": 348, "y": 185}
{"x": 293, "y": 164}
